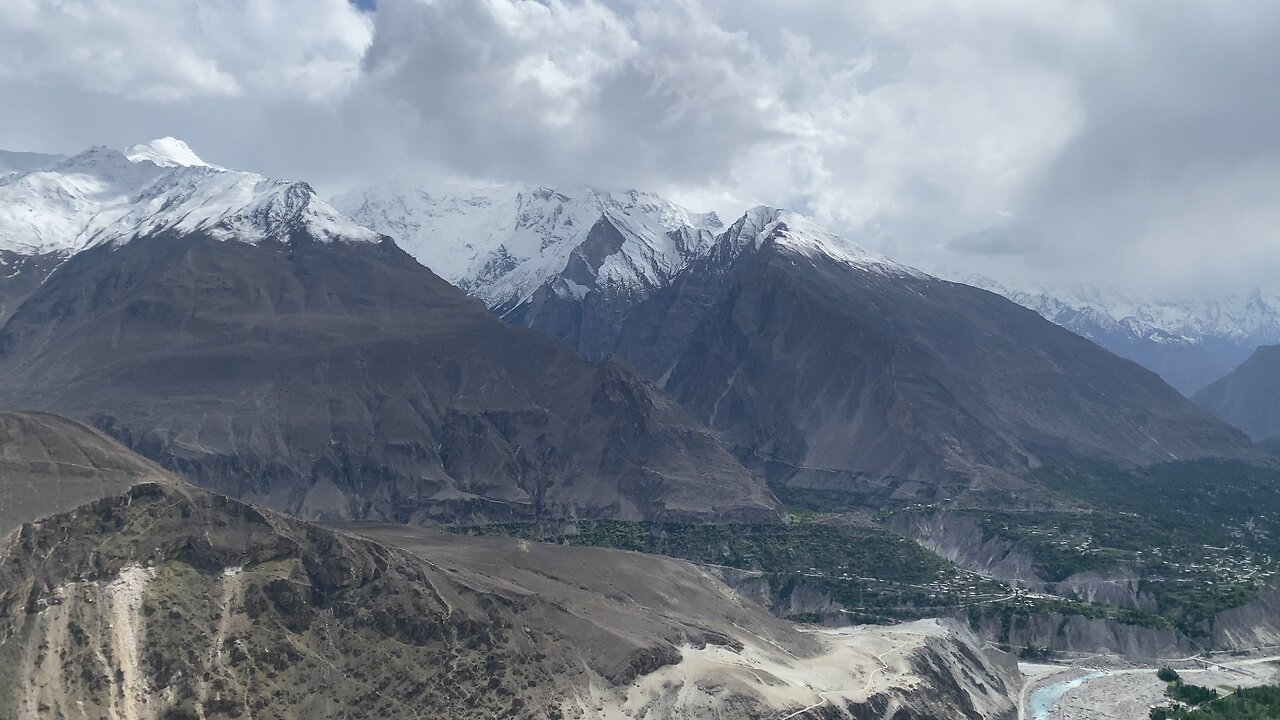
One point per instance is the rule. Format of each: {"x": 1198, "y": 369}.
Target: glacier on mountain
{"x": 105, "y": 196}
{"x": 501, "y": 243}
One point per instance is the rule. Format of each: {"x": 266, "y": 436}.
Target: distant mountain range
{"x": 243, "y": 333}
{"x": 269, "y": 345}
{"x": 524, "y": 250}
{"x": 826, "y": 366}
{"x": 1190, "y": 342}
{"x": 539, "y": 257}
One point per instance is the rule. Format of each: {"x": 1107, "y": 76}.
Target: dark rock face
{"x": 21, "y": 275}
{"x": 1249, "y": 397}
{"x": 895, "y": 384}
{"x": 344, "y": 380}
{"x": 1077, "y": 634}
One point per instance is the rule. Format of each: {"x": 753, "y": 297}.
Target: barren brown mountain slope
{"x": 342, "y": 380}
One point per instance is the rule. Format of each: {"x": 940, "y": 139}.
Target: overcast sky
{"x": 1133, "y": 142}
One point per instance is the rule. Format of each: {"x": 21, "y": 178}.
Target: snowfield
{"x": 106, "y": 196}
{"x": 501, "y": 243}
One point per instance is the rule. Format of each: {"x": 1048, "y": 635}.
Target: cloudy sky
{"x": 1133, "y": 142}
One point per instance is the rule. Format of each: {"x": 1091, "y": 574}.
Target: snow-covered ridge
{"x": 502, "y": 243}
{"x": 166, "y": 152}
{"x": 105, "y": 196}
{"x": 794, "y": 232}
{"x": 1251, "y": 318}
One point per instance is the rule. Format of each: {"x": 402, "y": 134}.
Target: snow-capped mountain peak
{"x": 502, "y": 243}
{"x": 103, "y": 195}
{"x": 101, "y": 162}
{"x": 506, "y": 243}
{"x": 764, "y": 225}
{"x": 165, "y": 152}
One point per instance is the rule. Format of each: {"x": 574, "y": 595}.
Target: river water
{"x": 1043, "y": 699}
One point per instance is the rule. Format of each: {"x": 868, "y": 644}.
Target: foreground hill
{"x": 242, "y": 333}
{"x": 1249, "y": 397}
{"x": 49, "y": 464}
{"x": 166, "y": 601}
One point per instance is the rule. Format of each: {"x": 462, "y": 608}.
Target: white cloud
{"x": 565, "y": 90}
{"x": 1062, "y": 138}
{"x": 902, "y": 123}
{"x": 169, "y": 51}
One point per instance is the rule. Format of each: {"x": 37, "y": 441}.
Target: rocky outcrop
{"x": 1117, "y": 587}
{"x": 168, "y": 601}
{"x": 1080, "y": 635}
{"x": 1005, "y": 626}
{"x": 160, "y": 601}
{"x": 962, "y": 669}
{"x": 960, "y": 539}
{"x": 21, "y": 274}
{"x": 1254, "y": 625}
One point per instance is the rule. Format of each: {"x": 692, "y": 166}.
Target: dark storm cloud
{"x": 1069, "y": 140}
